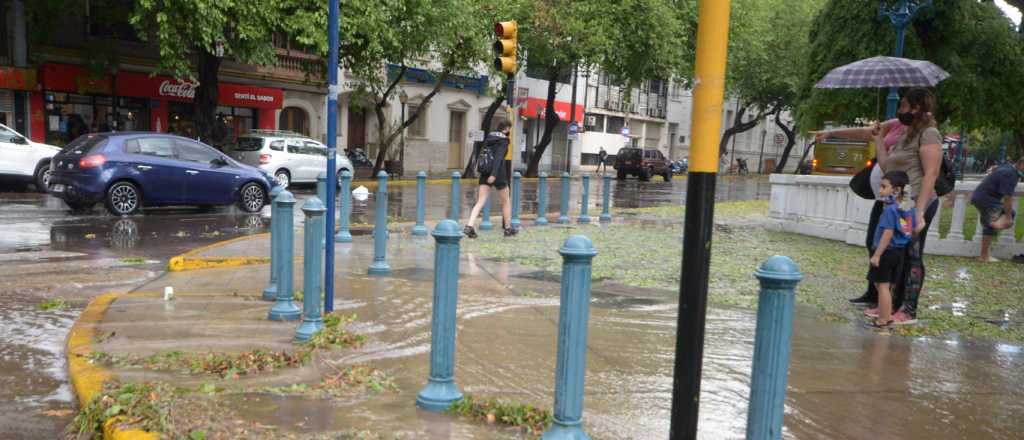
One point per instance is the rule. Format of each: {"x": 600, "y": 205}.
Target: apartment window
{"x": 419, "y": 127}
{"x": 615, "y": 124}
{"x": 594, "y": 122}
{"x": 109, "y": 19}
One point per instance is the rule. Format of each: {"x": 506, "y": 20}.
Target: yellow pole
{"x": 712, "y": 48}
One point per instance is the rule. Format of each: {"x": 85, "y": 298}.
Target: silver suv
{"x": 289, "y": 157}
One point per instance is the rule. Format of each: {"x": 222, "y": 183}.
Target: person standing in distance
{"x": 602, "y": 160}
{"x": 493, "y": 177}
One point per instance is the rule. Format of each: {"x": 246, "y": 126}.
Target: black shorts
{"x": 499, "y": 182}
{"x": 987, "y": 215}
{"x": 890, "y": 267}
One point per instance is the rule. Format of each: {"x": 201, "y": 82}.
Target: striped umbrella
{"x": 883, "y": 72}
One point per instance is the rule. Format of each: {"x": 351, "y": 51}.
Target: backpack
{"x": 485, "y": 159}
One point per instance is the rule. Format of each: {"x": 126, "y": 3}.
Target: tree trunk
{"x": 208, "y": 128}
{"x": 384, "y": 142}
{"x": 738, "y": 126}
{"x": 550, "y": 121}
{"x": 485, "y": 125}
{"x": 790, "y": 142}
{"x": 1019, "y": 136}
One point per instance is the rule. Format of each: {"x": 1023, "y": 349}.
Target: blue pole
{"x": 585, "y": 202}
{"x": 542, "y": 200}
{"x": 421, "y": 188}
{"x": 284, "y": 308}
{"x": 441, "y": 391}
{"x": 314, "y": 231}
{"x": 270, "y": 292}
{"x": 344, "y": 235}
{"x": 380, "y": 229}
{"x": 333, "y": 90}
{"x": 485, "y": 223}
{"x": 516, "y": 189}
{"x": 778, "y": 276}
{"x": 900, "y": 16}
{"x": 321, "y": 193}
{"x": 456, "y": 195}
{"x": 563, "y": 216}
{"x": 577, "y": 255}
{"x": 606, "y": 191}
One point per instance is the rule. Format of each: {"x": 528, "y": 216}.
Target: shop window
{"x": 294, "y": 119}
{"x": 419, "y": 127}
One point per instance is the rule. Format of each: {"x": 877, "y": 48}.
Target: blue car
{"x": 129, "y": 170}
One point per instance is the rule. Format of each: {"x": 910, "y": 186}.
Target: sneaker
{"x": 872, "y": 312}
{"x": 902, "y": 318}
{"x": 511, "y": 231}
{"x": 862, "y": 301}
{"x": 469, "y": 231}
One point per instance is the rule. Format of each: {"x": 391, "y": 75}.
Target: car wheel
{"x": 252, "y": 197}
{"x": 620, "y": 175}
{"x": 283, "y": 178}
{"x": 645, "y": 174}
{"x": 43, "y": 178}
{"x": 667, "y": 176}
{"x": 123, "y": 198}
{"x": 79, "y": 206}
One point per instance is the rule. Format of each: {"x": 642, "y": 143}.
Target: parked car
{"x": 680, "y": 166}
{"x": 289, "y": 157}
{"x": 129, "y": 170}
{"x": 642, "y": 163}
{"x": 23, "y": 161}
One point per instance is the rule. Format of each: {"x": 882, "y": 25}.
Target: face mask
{"x": 906, "y": 118}
{"x": 889, "y": 199}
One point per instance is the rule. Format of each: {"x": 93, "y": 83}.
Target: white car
{"x": 23, "y": 160}
{"x": 289, "y": 157}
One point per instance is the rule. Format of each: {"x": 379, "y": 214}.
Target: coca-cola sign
{"x": 184, "y": 90}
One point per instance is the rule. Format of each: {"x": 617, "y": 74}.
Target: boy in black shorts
{"x": 893, "y": 234}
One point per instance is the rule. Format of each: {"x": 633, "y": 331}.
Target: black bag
{"x": 945, "y": 182}
{"x": 485, "y": 160}
{"x": 861, "y": 183}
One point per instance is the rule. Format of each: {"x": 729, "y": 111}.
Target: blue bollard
{"x": 485, "y": 224}
{"x": 778, "y": 276}
{"x": 542, "y": 200}
{"x": 577, "y": 254}
{"x": 321, "y": 193}
{"x": 312, "y": 264}
{"x": 270, "y": 292}
{"x": 344, "y": 235}
{"x": 585, "y": 202}
{"x": 456, "y": 195}
{"x": 421, "y": 188}
{"x": 563, "y": 217}
{"x": 284, "y": 308}
{"x": 516, "y": 189}
{"x": 441, "y": 391}
{"x": 380, "y": 229}
{"x": 606, "y": 215}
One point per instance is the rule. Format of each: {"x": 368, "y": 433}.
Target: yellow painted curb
{"x": 87, "y": 378}
{"x": 189, "y": 261}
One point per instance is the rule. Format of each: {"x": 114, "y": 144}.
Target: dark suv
{"x": 643, "y": 164}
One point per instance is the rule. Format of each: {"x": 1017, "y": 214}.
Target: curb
{"x": 188, "y": 260}
{"x": 87, "y": 378}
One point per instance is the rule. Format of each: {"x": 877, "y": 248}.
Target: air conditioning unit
{"x": 590, "y": 121}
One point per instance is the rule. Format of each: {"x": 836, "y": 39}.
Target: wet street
{"x": 49, "y": 252}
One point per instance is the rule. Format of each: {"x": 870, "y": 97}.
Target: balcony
{"x": 297, "y": 66}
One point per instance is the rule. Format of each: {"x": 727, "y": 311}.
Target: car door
{"x": 298, "y": 163}
{"x": 154, "y": 165}
{"x": 206, "y": 182}
{"x": 16, "y": 155}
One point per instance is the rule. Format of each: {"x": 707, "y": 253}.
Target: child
{"x": 893, "y": 234}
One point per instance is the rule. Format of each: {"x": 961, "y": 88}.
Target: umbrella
{"x": 883, "y": 72}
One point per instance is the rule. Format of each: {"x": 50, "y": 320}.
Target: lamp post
{"x": 900, "y": 16}
{"x": 404, "y": 99}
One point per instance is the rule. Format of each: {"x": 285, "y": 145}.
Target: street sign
{"x": 574, "y": 136}
{"x": 780, "y": 139}
{"x": 476, "y": 135}
{"x": 573, "y": 128}
{"x": 625, "y": 131}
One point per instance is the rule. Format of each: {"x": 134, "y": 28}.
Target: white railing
{"x": 824, "y": 206}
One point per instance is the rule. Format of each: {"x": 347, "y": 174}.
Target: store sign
{"x": 17, "y": 79}
{"x": 142, "y": 85}
{"x": 179, "y": 89}
{"x": 247, "y": 96}
{"x": 536, "y": 108}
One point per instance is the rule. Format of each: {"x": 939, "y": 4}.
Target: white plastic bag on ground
{"x": 361, "y": 193}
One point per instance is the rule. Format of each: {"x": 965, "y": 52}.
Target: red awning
{"x": 535, "y": 108}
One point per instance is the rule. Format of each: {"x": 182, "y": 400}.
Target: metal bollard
{"x": 778, "y": 276}
{"x": 606, "y": 215}
{"x": 344, "y": 235}
{"x": 312, "y": 269}
{"x": 321, "y": 193}
{"x": 421, "y": 188}
{"x": 270, "y": 292}
{"x": 563, "y": 217}
{"x": 542, "y": 200}
{"x": 577, "y": 255}
{"x": 585, "y": 200}
{"x": 485, "y": 223}
{"x": 380, "y": 229}
{"x": 456, "y": 195}
{"x": 516, "y": 189}
{"x": 284, "y": 308}
{"x": 441, "y": 391}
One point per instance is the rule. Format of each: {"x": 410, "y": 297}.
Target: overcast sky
{"x": 1013, "y": 13}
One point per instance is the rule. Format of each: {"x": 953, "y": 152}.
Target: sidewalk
{"x": 840, "y": 375}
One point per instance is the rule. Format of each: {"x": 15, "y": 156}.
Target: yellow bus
{"x": 842, "y": 156}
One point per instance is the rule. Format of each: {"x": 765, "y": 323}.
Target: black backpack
{"x": 485, "y": 159}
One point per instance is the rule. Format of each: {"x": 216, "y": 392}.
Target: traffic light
{"x": 505, "y": 47}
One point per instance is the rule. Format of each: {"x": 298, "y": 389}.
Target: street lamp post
{"x": 404, "y": 99}
{"x": 900, "y": 16}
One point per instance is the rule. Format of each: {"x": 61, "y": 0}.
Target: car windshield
{"x": 85, "y": 143}
{"x": 7, "y": 132}
{"x": 248, "y": 144}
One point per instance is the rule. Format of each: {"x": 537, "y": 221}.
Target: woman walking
{"x": 493, "y": 177}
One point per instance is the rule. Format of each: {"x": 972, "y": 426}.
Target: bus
{"x": 841, "y": 156}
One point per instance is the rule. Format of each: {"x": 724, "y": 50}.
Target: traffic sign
{"x": 625, "y": 131}
{"x": 780, "y": 139}
{"x": 573, "y": 128}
